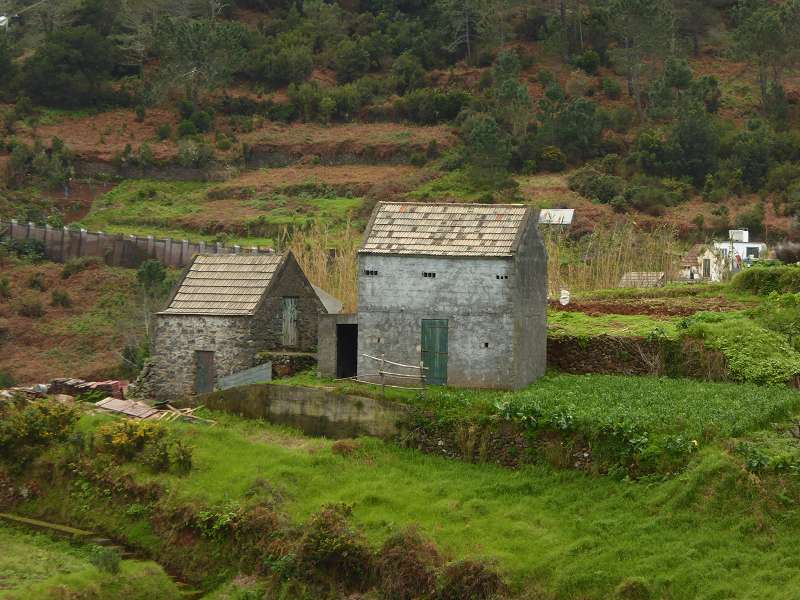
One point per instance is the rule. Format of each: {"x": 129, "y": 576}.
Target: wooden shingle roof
{"x": 484, "y": 230}
{"x": 225, "y": 284}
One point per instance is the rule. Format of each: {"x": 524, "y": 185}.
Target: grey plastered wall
{"x": 529, "y": 285}
{"x": 177, "y": 337}
{"x": 465, "y": 291}
{"x": 315, "y": 411}
{"x": 326, "y": 351}
{"x": 267, "y": 328}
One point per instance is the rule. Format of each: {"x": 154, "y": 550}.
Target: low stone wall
{"x": 604, "y": 354}
{"x": 315, "y": 411}
{"x": 635, "y": 356}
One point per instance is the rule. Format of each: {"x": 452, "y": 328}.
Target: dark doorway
{"x": 346, "y": 350}
{"x": 204, "y": 372}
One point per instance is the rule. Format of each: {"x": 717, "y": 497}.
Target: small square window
{"x": 370, "y": 272}
{"x": 485, "y": 344}
{"x": 501, "y": 276}
{"x": 428, "y": 274}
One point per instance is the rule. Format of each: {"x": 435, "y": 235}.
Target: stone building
{"x": 460, "y": 287}
{"x": 227, "y": 309}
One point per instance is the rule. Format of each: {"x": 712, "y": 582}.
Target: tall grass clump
{"x": 599, "y": 260}
{"x": 331, "y": 264}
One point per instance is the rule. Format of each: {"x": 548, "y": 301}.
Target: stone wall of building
{"x": 267, "y": 323}
{"x": 327, "y": 347}
{"x": 177, "y": 337}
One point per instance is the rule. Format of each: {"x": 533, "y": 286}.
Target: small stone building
{"x": 227, "y": 309}
{"x": 459, "y": 287}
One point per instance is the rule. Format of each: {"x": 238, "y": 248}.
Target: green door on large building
{"x": 434, "y": 350}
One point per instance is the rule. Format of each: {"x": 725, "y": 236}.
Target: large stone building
{"x": 227, "y": 309}
{"x": 460, "y": 287}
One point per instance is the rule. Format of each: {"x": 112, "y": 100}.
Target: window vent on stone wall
{"x": 485, "y": 344}
{"x": 427, "y": 274}
{"x": 501, "y": 276}
{"x": 370, "y": 272}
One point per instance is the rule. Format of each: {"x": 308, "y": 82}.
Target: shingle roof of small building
{"x": 225, "y": 284}
{"x": 445, "y": 229}
{"x": 643, "y": 279}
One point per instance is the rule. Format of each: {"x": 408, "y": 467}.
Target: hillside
{"x": 674, "y": 115}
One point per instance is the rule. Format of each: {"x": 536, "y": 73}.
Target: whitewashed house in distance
{"x": 713, "y": 262}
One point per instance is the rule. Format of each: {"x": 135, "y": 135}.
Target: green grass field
{"x": 561, "y": 323}
{"x": 708, "y": 533}
{"x": 189, "y": 210}
{"x": 35, "y": 566}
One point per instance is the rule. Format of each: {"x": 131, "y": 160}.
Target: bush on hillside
{"x": 406, "y": 566}
{"x": 763, "y": 280}
{"x": 26, "y": 428}
{"x": 74, "y": 266}
{"x": 31, "y": 307}
{"x": 471, "y": 579}
{"x": 428, "y": 106}
{"x": 330, "y": 546}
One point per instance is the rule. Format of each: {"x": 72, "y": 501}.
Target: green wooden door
{"x": 434, "y": 350}
{"x": 204, "y": 372}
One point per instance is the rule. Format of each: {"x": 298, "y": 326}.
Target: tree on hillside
{"x": 199, "y": 54}
{"x": 461, "y": 19}
{"x": 512, "y": 101}
{"x": 643, "y": 28}
{"x": 69, "y": 68}
{"x": 767, "y": 36}
{"x": 692, "y": 19}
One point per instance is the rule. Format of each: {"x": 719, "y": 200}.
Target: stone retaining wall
{"x": 315, "y": 411}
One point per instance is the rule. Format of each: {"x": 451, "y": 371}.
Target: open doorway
{"x": 346, "y": 350}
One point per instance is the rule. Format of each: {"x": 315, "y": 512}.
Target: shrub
{"x": 156, "y": 456}
{"x": 406, "y": 566}
{"x": 787, "y": 252}
{"x": 429, "y": 106}
{"x": 32, "y": 250}
{"x": 76, "y": 265}
{"x": 127, "y": 438}
{"x": 545, "y": 77}
{"x": 595, "y": 185}
{"x": 764, "y": 280}
{"x": 552, "y": 159}
{"x": 140, "y": 113}
{"x": 589, "y": 61}
{"x": 186, "y": 128}
{"x": 202, "y": 120}
{"x": 106, "y": 560}
{"x": 30, "y": 307}
{"x": 611, "y": 88}
{"x": 351, "y": 60}
{"x": 5, "y": 288}
{"x": 37, "y": 282}
{"x": 291, "y": 64}
{"x": 330, "y": 546}
{"x": 633, "y": 588}
{"x": 60, "y": 298}
{"x": 182, "y": 456}
{"x": 23, "y": 429}
{"x": 164, "y": 131}
{"x": 6, "y": 380}
{"x": 195, "y": 154}
{"x": 471, "y": 579}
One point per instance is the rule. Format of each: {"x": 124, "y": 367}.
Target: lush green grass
{"x": 37, "y": 566}
{"x": 562, "y": 323}
{"x": 704, "y": 534}
{"x": 671, "y": 290}
{"x": 453, "y": 184}
{"x": 660, "y": 405}
{"x": 144, "y": 207}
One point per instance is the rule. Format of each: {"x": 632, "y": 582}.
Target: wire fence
{"x": 389, "y": 370}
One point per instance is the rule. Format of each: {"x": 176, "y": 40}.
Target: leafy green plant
{"x": 61, "y": 298}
